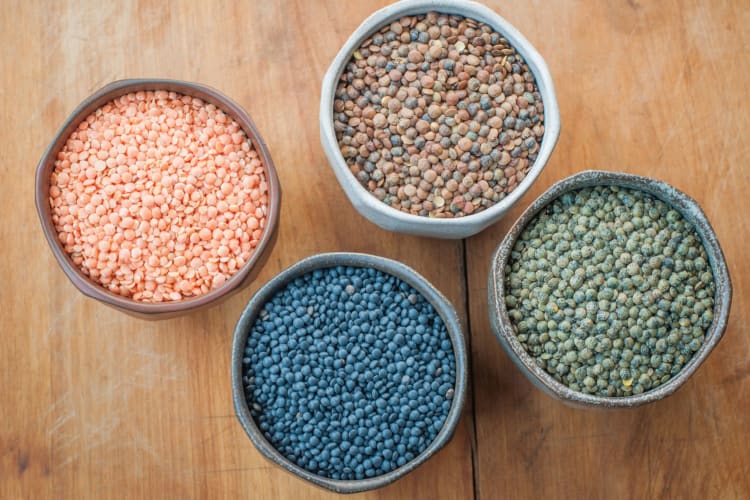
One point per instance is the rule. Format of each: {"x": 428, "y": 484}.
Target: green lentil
{"x": 631, "y": 283}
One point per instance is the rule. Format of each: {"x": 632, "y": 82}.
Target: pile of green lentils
{"x": 438, "y": 116}
{"x": 610, "y": 291}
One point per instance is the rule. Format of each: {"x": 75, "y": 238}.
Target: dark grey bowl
{"x": 679, "y": 201}
{"x": 321, "y": 261}
{"x": 164, "y": 309}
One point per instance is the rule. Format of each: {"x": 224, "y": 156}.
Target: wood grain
{"x": 100, "y": 405}
{"x": 658, "y": 89}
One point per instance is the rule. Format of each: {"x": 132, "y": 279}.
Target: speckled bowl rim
{"x": 327, "y": 260}
{"x": 414, "y": 223}
{"x": 678, "y": 200}
{"x": 96, "y": 291}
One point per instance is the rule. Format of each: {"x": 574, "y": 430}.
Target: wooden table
{"x": 100, "y": 405}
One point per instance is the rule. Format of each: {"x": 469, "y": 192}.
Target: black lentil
{"x": 349, "y": 372}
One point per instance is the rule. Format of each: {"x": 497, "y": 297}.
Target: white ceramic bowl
{"x": 390, "y": 218}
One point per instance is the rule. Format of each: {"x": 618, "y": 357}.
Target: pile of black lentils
{"x": 610, "y": 291}
{"x": 349, "y": 372}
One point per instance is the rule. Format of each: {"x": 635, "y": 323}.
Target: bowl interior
{"x": 465, "y": 8}
{"x": 105, "y": 95}
{"x": 688, "y": 208}
{"x": 442, "y": 307}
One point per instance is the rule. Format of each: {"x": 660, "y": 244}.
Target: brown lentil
{"x": 437, "y": 115}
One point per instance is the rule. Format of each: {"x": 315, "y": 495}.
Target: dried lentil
{"x": 610, "y": 291}
{"x": 349, "y": 372}
{"x": 443, "y": 89}
{"x": 158, "y": 196}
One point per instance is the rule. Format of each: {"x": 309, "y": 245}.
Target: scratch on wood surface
{"x": 578, "y": 437}
{"x": 238, "y": 469}
{"x": 204, "y": 417}
{"x": 708, "y": 35}
{"x": 153, "y": 19}
{"x": 63, "y": 439}
{"x": 76, "y": 426}
{"x": 214, "y": 435}
{"x": 310, "y": 51}
{"x": 61, "y": 400}
{"x": 32, "y": 120}
{"x": 537, "y": 438}
{"x": 633, "y": 30}
{"x": 100, "y": 432}
{"x": 63, "y": 314}
{"x": 676, "y": 126}
{"x": 140, "y": 443}
{"x": 61, "y": 420}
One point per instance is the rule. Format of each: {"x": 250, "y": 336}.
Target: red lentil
{"x": 159, "y": 196}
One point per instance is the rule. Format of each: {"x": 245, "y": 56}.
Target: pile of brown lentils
{"x": 438, "y": 116}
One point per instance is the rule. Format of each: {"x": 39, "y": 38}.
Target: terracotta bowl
{"x": 683, "y": 204}
{"x": 393, "y": 219}
{"x": 442, "y": 306}
{"x": 96, "y": 291}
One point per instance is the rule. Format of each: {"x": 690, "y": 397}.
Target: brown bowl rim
{"x": 688, "y": 208}
{"x": 105, "y": 94}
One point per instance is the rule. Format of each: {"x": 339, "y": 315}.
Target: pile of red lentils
{"x": 159, "y": 196}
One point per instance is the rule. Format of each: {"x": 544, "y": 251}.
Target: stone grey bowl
{"x": 321, "y": 261}
{"x": 392, "y": 219}
{"x": 160, "y": 310}
{"x": 678, "y": 200}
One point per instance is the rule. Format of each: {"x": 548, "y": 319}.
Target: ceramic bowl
{"x": 96, "y": 291}
{"x": 442, "y": 306}
{"x": 682, "y": 203}
{"x": 395, "y": 220}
